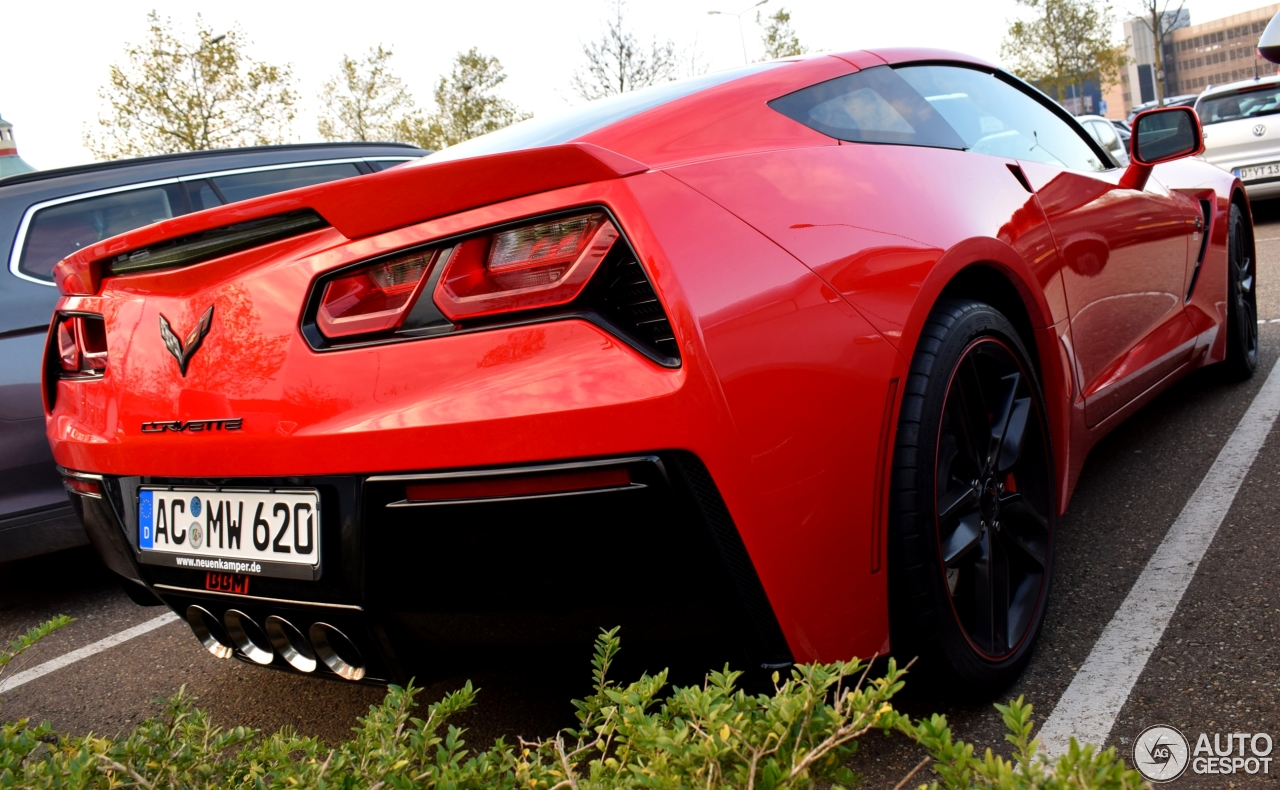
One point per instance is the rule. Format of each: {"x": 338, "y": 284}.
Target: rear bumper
{"x": 1262, "y": 190}
{"x": 420, "y": 590}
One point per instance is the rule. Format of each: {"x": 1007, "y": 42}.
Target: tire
{"x": 970, "y": 531}
{"x": 1242, "y": 299}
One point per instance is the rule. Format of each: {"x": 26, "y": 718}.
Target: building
{"x": 1224, "y": 50}
{"x": 1137, "y": 80}
{"x": 10, "y": 162}
{"x": 1194, "y": 56}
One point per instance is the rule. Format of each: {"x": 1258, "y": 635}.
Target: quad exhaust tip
{"x": 337, "y": 651}
{"x": 261, "y": 644}
{"x": 248, "y": 636}
{"x": 292, "y": 646}
{"x": 209, "y": 631}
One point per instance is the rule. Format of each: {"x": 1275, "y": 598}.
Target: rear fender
{"x": 1052, "y": 345}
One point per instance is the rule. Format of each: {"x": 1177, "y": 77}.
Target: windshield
{"x": 573, "y": 123}
{"x": 1237, "y": 105}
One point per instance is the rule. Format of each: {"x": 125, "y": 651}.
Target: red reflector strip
{"x": 78, "y": 485}
{"x": 518, "y": 485}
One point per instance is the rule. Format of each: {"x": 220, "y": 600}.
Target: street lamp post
{"x": 741, "y": 36}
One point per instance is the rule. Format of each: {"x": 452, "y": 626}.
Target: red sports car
{"x": 808, "y": 354}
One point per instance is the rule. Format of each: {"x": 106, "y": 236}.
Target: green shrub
{"x": 639, "y": 735}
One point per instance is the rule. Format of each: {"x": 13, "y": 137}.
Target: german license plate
{"x": 1269, "y": 170}
{"x": 249, "y": 533}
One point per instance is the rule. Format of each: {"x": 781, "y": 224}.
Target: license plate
{"x": 249, "y": 533}
{"x": 1269, "y": 170}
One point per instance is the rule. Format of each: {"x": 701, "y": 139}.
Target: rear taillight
{"x": 577, "y": 264}
{"x": 527, "y": 268}
{"x": 374, "y": 298}
{"x": 81, "y": 345}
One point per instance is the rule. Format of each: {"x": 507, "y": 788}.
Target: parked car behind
{"x": 1108, "y": 136}
{"x": 47, "y": 215}
{"x": 1240, "y": 137}
{"x": 1185, "y": 100}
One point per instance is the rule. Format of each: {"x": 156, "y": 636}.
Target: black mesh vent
{"x": 629, "y": 302}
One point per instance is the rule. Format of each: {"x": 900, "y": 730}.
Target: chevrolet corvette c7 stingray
{"x": 806, "y": 355}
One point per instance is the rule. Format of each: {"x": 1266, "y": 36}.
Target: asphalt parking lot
{"x": 1213, "y": 670}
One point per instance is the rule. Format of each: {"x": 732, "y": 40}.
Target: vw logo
{"x": 1259, "y": 130}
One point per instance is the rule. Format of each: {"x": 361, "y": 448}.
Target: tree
{"x": 1160, "y": 19}
{"x": 366, "y": 101}
{"x": 617, "y": 62}
{"x": 779, "y": 39}
{"x": 466, "y": 105}
{"x": 190, "y": 95}
{"x": 1065, "y": 42}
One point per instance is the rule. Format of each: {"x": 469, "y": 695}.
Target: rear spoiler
{"x": 361, "y": 206}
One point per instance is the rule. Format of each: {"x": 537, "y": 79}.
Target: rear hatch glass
{"x": 1239, "y": 105}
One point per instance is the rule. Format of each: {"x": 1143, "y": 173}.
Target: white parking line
{"x": 54, "y": 664}
{"x": 1091, "y": 703}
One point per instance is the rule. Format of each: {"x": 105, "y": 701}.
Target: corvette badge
{"x": 181, "y": 352}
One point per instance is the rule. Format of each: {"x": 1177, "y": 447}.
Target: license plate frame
{"x": 1258, "y": 172}
{"x": 172, "y": 522}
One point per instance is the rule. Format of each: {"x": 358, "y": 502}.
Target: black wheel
{"x": 1242, "y": 298}
{"x": 972, "y": 509}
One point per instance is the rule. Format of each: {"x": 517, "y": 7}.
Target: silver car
{"x": 1241, "y": 123}
{"x": 1107, "y": 135}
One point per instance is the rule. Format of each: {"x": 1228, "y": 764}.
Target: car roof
{"x": 1229, "y": 87}
{"x": 125, "y": 171}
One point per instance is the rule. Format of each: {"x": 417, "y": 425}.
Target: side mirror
{"x": 1269, "y": 42}
{"x": 1166, "y": 134}
{"x": 1161, "y": 135}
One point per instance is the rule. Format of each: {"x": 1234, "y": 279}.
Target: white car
{"x": 1241, "y": 123}
{"x": 1107, "y": 135}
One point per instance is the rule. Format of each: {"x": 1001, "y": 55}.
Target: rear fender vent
{"x": 203, "y": 246}
{"x": 628, "y": 303}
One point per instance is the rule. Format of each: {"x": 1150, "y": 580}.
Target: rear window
{"x": 58, "y": 231}
{"x": 574, "y": 123}
{"x": 1239, "y": 105}
{"x": 243, "y": 186}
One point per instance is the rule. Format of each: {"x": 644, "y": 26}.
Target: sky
{"x": 56, "y": 55}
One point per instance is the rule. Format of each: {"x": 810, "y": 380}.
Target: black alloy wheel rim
{"x": 993, "y": 499}
{"x": 1246, "y": 300}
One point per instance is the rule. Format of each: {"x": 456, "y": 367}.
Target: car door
{"x": 1124, "y": 251}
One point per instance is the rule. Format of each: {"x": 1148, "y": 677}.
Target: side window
{"x": 994, "y": 117}
{"x": 243, "y": 186}
{"x": 58, "y": 231}
{"x": 201, "y": 195}
{"x": 870, "y": 106}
